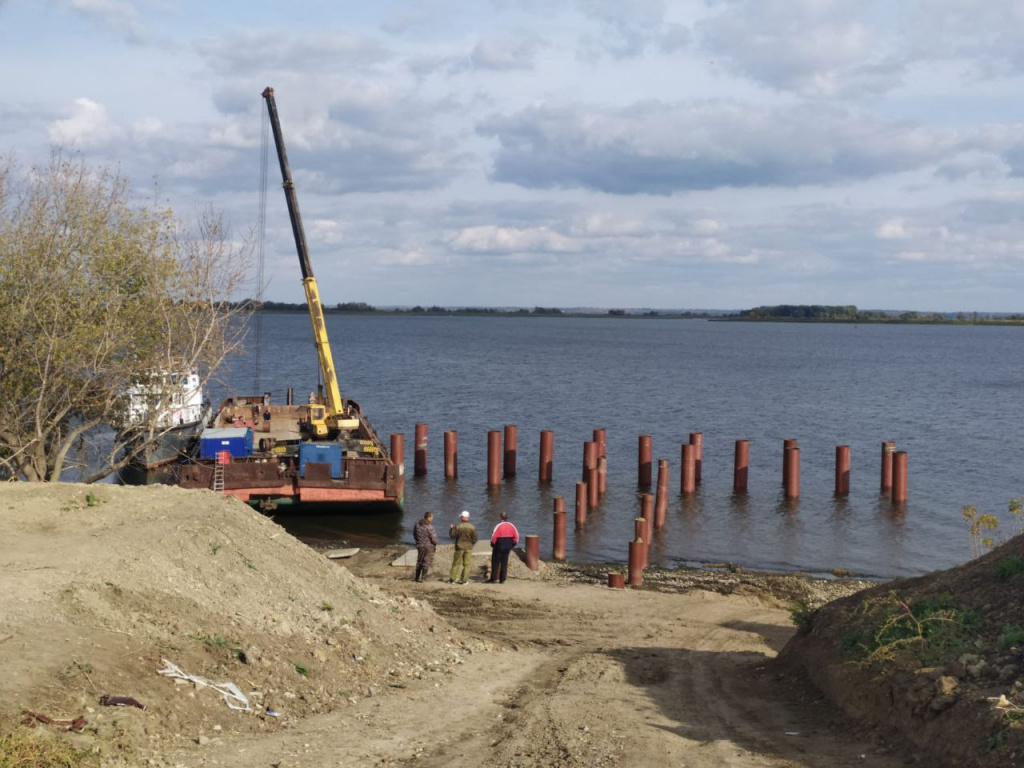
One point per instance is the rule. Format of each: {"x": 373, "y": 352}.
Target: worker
{"x": 425, "y": 536}
{"x": 465, "y": 537}
{"x": 504, "y": 538}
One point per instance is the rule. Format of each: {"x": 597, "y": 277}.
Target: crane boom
{"x": 335, "y": 405}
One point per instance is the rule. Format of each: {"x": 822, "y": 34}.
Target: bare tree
{"x": 98, "y": 295}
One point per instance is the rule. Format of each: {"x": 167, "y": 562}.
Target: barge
{"x": 260, "y": 453}
{"x": 324, "y": 452}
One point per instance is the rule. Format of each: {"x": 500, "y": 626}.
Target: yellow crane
{"x": 328, "y": 418}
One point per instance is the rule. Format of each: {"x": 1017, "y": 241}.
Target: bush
{"x": 1008, "y": 567}
{"x": 25, "y": 749}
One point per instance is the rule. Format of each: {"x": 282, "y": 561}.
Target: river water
{"x": 948, "y": 395}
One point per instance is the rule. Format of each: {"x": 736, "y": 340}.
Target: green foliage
{"x": 301, "y": 668}
{"x": 933, "y": 630}
{"x": 1012, "y": 635}
{"x": 98, "y": 294}
{"x": 215, "y": 547}
{"x": 802, "y": 615}
{"x": 213, "y": 641}
{"x": 326, "y": 607}
{"x": 1010, "y": 566}
{"x": 979, "y": 525}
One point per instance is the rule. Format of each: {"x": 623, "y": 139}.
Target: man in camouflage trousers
{"x": 465, "y": 537}
{"x": 425, "y": 536}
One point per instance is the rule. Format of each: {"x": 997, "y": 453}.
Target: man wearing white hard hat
{"x": 465, "y": 537}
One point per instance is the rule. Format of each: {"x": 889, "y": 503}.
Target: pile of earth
{"x": 938, "y": 659}
{"x": 100, "y": 586}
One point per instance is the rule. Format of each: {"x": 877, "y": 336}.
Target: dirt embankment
{"x": 100, "y": 584}
{"x": 358, "y": 665}
{"x": 938, "y": 660}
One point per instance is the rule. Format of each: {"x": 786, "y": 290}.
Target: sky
{"x": 645, "y": 154}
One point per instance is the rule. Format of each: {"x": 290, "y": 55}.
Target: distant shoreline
{"x": 986, "y": 321}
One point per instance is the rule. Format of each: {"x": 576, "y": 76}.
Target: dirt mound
{"x": 939, "y": 658}
{"x": 100, "y": 584}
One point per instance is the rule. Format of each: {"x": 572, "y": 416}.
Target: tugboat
{"x": 324, "y": 452}
{"x": 156, "y": 449}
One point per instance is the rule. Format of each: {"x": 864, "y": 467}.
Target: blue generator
{"x": 320, "y": 453}
{"x": 235, "y": 440}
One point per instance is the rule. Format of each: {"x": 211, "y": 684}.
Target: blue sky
{"x": 700, "y": 153}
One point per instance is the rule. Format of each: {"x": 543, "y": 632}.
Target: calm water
{"x": 949, "y": 396}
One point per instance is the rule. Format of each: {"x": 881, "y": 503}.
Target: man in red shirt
{"x": 504, "y": 538}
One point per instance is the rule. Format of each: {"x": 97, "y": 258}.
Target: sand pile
{"x": 100, "y": 584}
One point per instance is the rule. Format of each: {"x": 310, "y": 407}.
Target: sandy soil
{"x": 580, "y": 675}
{"x": 549, "y": 670}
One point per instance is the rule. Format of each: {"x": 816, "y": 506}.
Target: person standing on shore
{"x": 465, "y": 537}
{"x": 425, "y": 536}
{"x": 504, "y": 538}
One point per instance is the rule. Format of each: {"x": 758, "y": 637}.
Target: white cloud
{"x": 494, "y": 239}
{"x": 88, "y": 126}
{"x": 658, "y": 148}
{"x": 893, "y": 229}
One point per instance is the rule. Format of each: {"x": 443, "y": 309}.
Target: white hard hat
{"x": 465, "y": 514}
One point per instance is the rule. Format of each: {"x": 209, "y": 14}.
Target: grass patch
{"x": 1013, "y": 634}
{"x": 213, "y": 641}
{"x": 933, "y": 630}
{"x": 215, "y": 547}
{"x": 26, "y": 749}
{"x": 301, "y": 668}
{"x": 802, "y": 615}
{"x": 326, "y": 607}
{"x": 1008, "y": 567}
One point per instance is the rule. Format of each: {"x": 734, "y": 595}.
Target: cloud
{"x": 121, "y": 16}
{"x": 819, "y": 48}
{"x": 492, "y": 239}
{"x": 506, "y": 53}
{"x": 272, "y": 52}
{"x": 658, "y": 148}
{"x": 88, "y": 126}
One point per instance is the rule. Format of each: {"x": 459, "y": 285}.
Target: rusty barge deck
{"x": 272, "y": 475}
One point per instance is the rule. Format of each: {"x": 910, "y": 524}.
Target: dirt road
{"x": 583, "y": 676}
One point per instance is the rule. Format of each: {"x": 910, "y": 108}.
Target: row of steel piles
{"x": 502, "y": 459}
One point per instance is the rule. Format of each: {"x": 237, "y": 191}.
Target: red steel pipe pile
{"x": 558, "y": 548}
{"x": 593, "y": 488}
{"x": 420, "y": 455}
{"x": 792, "y": 459}
{"x": 899, "y": 477}
{"x": 398, "y": 451}
{"x": 787, "y": 443}
{"x": 661, "y": 499}
{"x": 647, "y": 513}
{"x": 643, "y": 475}
{"x": 635, "y": 564}
{"x": 640, "y": 534}
{"x": 888, "y": 449}
{"x": 601, "y": 438}
{"x": 494, "y": 457}
{"x": 533, "y": 552}
{"x": 547, "y": 456}
{"x": 842, "y": 470}
{"x": 688, "y": 475}
{"x": 602, "y": 476}
{"x": 589, "y": 458}
{"x": 741, "y": 466}
{"x": 616, "y": 581}
{"x": 581, "y": 504}
{"x": 451, "y": 454}
{"x": 511, "y": 448}
{"x": 697, "y": 441}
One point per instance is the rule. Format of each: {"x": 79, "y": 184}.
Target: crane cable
{"x": 261, "y": 236}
